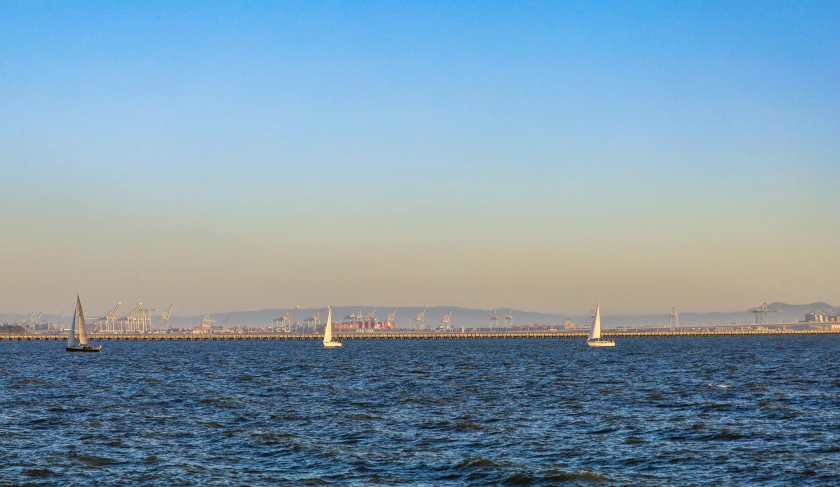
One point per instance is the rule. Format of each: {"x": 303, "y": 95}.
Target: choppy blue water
{"x": 724, "y": 411}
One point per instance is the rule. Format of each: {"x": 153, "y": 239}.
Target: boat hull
{"x": 332, "y": 344}
{"x": 83, "y": 349}
{"x": 600, "y": 343}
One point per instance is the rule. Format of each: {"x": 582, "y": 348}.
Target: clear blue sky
{"x": 536, "y": 155}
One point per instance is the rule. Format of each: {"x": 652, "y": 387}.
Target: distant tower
{"x": 674, "y": 318}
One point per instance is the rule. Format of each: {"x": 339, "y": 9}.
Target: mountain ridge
{"x": 472, "y": 317}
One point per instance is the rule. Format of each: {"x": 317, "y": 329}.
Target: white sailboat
{"x": 82, "y": 344}
{"x": 594, "y": 339}
{"x": 329, "y": 341}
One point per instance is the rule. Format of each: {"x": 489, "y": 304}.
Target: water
{"x": 723, "y": 411}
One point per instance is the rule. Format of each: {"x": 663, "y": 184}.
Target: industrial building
{"x": 820, "y": 316}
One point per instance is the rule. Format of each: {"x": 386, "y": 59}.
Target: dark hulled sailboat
{"x": 80, "y": 345}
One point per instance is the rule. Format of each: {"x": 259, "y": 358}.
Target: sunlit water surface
{"x": 653, "y": 411}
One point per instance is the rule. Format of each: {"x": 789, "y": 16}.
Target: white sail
{"x": 71, "y": 337}
{"x": 328, "y": 329}
{"x": 595, "y": 332}
{"x": 83, "y": 338}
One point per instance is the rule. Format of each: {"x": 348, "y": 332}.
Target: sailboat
{"x": 329, "y": 341}
{"x": 80, "y": 345}
{"x": 594, "y": 339}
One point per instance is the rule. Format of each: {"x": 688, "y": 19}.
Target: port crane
{"x": 111, "y": 318}
{"x": 133, "y": 318}
{"x": 494, "y": 320}
{"x": 446, "y": 321}
{"x": 418, "y": 320}
{"x": 26, "y": 322}
{"x": 509, "y": 319}
{"x": 391, "y": 315}
{"x": 164, "y": 318}
{"x": 286, "y": 321}
{"x": 761, "y": 313}
{"x": 371, "y": 317}
{"x": 316, "y": 318}
{"x": 206, "y": 321}
{"x": 674, "y": 318}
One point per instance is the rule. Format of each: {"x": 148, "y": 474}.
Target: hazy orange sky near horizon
{"x": 540, "y": 157}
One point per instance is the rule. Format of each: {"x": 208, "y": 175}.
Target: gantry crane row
{"x": 390, "y": 318}
{"x": 372, "y": 315}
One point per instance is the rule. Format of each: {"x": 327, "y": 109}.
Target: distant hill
{"x": 11, "y": 329}
{"x": 470, "y": 318}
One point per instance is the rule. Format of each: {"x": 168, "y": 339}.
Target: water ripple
{"x": 739, "y": 411}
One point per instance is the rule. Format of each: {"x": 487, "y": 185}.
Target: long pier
{"x": 190, "y": 337}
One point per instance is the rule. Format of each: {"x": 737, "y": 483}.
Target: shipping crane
{"x": 446, "y": 321}
{"x": 761, "y": 313}
{"x": 25, "y": 322}
{"x": 226, "y": 322}
{"x": 390, "y": 318}
{"x": 494, "y": 320}
{"x": 418, "y": 320}
{"x": 111, "y": 318}
{"x": 165, "y": 318}
{"x": 372, "y": 316}
{"x": 316, "y": 318}
{"x": 145, "y": 320}
{"x": 509, "y": 319}
{"x": 133, "y": 318}
{"x": 286, "y": 321}
{"x": 674, "y": 318}
{"x": 206, "y": 321}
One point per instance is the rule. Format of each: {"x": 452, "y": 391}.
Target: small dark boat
{"x": 80, "y": 345}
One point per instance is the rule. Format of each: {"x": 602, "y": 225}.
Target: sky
{"x": 541, "y": 156}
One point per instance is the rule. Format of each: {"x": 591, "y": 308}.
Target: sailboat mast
{"x": 328, "y": 328}
{"x": 83, "y": 337}
{"x": 71, "y": 337}
{"x": 595, "y": 333}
